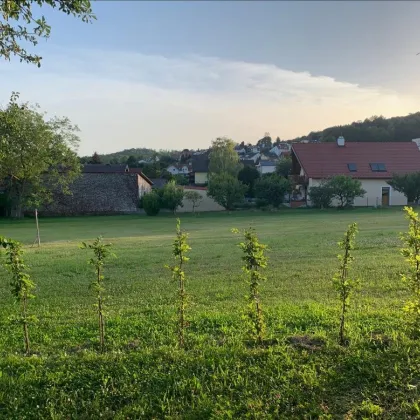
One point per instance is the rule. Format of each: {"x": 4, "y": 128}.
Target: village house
{"x": 101, "y": 189}
{"x": 179, "y": 169}
{"x": 200, "y": 168}
{"x": 373, "y": 163}
{"x": 266, "y": 166}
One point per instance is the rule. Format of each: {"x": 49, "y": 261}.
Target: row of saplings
{"x": 254, "y": 259}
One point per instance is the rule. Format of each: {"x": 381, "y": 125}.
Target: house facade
{"x": 266, "y": 167}
{"x": 200, "y": 169}
{"x": 373, "y": 163}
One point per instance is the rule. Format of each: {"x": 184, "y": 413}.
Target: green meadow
{"x": 301, "y": 373}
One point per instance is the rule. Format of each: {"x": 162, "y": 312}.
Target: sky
{"x": 175, "y": 75}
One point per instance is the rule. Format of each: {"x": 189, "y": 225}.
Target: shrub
{"x": 321, "y": 196}
{"x": 151, "y": 203}
{"x": 272, "y": 189}
{"x": 172, "y": 196}
{"x": 226, "y": 190}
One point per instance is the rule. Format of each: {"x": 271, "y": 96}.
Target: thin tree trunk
{"x": 100, "y": 316}
{"x": 342, "y": 320}
{"x": 25, "y": 325}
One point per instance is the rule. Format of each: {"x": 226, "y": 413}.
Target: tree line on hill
{"x": 376, "y": 128}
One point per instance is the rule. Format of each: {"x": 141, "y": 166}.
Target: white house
{"x": 373, "y": 163}
{"x": 177, "y": 169}
{"x": 266, "y": 167}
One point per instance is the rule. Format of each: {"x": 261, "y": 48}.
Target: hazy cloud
{"x": 123, "y": 100}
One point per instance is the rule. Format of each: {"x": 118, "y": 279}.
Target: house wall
{"x": 101, "y": 193}
{"x": 201, "y": 178}
{"x": 266, "y": 169}
{"x": 207, "y": 203}
{"x": 373, "y": 196}
{"x": 144, "y": 186}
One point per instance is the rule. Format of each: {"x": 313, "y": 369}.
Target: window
{"x": 352, "y": 167}
{"x": 378, "y": 167}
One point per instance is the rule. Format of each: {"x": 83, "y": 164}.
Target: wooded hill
{"x": 372, "y": 129}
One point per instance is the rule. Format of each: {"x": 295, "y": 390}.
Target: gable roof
{"x": 322, "y": 160}
{"x": 113, "y": 169}
{"x": 200, "y": 163}
{"x": 92, "y": 168}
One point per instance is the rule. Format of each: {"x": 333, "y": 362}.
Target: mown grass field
{"x": 220, "y": 375}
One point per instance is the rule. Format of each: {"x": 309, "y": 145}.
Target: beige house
{"x": 373, "y": 163}
{"x": 200, "y": 169}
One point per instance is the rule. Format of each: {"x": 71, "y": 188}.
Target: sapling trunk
{"x": 101, "y": 252}
{"x": 342, "y": 283}
{"x": 21, "y": 284}
{"x": 255, "y": 259}
{"x": 180, "y": 248}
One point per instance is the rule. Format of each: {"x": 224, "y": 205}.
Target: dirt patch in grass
{"x": 306, "y": 342}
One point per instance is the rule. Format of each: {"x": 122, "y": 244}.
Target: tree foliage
{"x": 172, "y": 196}
{"x": 321, "y": 195}
{"x": 342, "y": 283}
{"x": 223, "y": 157}
{"x": 226, "y": 190}
{"x": 345, "y": 189}
{"x": 21, "y": 283}
{"x": 284, "y": 166}
{"x": 407, "y": 184}
{"x": 272, "y": 189}
{"x": 248, "y": 175}
{"x": 37, "y": 156}
{"x": 95, "y": 159}
{"x": 411, "y": 252}
{"x": 151, "y": 203}
{"x": 376, "y": 128}
{"x": 265, "y": 143}
{"x": 19, "y": 27}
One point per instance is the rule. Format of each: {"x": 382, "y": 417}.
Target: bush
{"x": 407, "y": 184}
{"x": 272, "y": 189}
{"x": 172, "y": 196}
{"x": 151, "y": 203}
{"x": 321, "y": 196}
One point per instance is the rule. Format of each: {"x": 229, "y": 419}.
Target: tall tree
{"x": 19, "y": 27}
{"x": 226, "y": 190}
{"x": 223, "y": 157}
{"x": 407, "y": 184}
{"x": 249, "y": 175}
{"x": 284, "y": 166}
{"x": 95, "y": 159}
{"x": 37, "y": 156}
{"x": 265, "y": 143}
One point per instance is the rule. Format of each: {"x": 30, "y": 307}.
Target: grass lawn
{"x": 304, "y": 374}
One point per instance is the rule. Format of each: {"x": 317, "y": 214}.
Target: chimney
{"x": 340, "y": 141}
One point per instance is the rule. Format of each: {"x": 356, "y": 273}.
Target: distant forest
{"x": 372, "y": 129}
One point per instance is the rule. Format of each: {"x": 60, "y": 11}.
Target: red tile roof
{"x": 321, "y": 160}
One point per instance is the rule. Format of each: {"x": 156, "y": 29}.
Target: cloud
{"x": 123, "y": 100}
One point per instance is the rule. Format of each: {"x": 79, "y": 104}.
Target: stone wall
{"x": 97, "y": 193}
